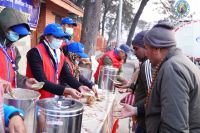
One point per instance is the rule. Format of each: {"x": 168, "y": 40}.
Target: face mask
{"x": 56, "y": 43}
{"x": 69, "y": 31}
{"x": 77, "y": 62}
{"x": 12, "y": 36}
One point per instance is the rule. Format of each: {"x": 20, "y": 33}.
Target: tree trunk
{"x": 135, "y": 21}
{"x": 79, "y": 3}
{"x": 90, "y": 26}
{"x": 106, "y": 6}
{"x": 111, "y": 32}
{"x": 103, "y": 22}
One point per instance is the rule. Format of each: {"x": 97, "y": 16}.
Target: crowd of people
{"x": 166, "y": 90}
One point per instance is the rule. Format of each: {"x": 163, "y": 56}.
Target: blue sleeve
{"x": 8, "y": 111}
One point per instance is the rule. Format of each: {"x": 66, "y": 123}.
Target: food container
{"x": 58, "y": 115}
{"x": 24, "y": 99}
{"x": 86, "y": 72}
{"x": 106, "y": 77}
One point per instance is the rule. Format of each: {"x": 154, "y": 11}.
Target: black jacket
{"x": 36, "y": 66}
{"x": 140, "y": 91}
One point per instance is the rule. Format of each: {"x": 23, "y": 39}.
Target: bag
{"x": 128, "y": 99}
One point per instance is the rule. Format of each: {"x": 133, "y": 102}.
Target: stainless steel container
{"x": 58, "y": 115}
{"x": 24, "y": 99}
{"x": 106, "y": 77}
{"x": 87, "y": 73}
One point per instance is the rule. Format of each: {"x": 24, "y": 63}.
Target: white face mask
{"x": 56, "y": 43}
{"x": 69, "y": 31}
{"x": 77, "y": 62}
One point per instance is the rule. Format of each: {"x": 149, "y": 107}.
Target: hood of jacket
{"x": 10, "y": 17}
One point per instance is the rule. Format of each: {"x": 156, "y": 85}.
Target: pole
{"x": 119, "y": 23}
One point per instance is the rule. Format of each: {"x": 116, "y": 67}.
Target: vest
{"x": 6, "y": 71}
{"x": 48, "y": 68}
{"x": 116, "y": 63}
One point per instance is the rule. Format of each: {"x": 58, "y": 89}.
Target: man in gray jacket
{"x": 173, "y": 101}
{"x": 173, "y": 105}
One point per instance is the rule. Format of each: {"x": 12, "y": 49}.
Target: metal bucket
{"x": 25, "y": 100}
{"x": 2, "y": 128}
{"x": 58, "y": 115}
{"x": 87, "y": 73}
{"x": 106, "y": 77}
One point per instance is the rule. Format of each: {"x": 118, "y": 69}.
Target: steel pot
{"x": 106, "y": 77}
{"x": 87, "y": 73}
{"x": 24, "y": 99}
{"x": 58, "y": 115}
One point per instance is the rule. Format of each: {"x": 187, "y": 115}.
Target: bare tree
{"x": 90, "y": 26}
{"x": 107, "y": 6}
{"x": 135, "y": 21}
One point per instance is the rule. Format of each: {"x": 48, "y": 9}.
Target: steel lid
{"x": 110, "y": 68}
{"x": 64, "y": 106}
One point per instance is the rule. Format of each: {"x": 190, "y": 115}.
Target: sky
{"x": 151, "y": 15}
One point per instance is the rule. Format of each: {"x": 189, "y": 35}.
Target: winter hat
{"x": 138, "y": 39}
{"x": 162, "y": 35}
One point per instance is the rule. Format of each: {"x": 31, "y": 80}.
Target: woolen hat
{"x": 138, "y": 39}
{"x": 162, "y": 35}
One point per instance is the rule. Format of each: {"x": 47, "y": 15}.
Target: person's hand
{"x": 85, "y": 61}
{"x": 126, "y": 111}
{"x": 94, "y": 89}
{"x": 123, "y": 85}
{"x": 84, "y": 89}
{"x": 74, "y": 93}
{"x": 29, "y": 82}
{"x": 6, "y": 86}
{"x": 16, "y": 125}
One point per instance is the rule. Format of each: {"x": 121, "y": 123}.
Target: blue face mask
{"x": 56, "y": 43}
{"x": 12, "y": 36}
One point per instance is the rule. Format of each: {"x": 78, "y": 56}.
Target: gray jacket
{"x": 174, "y": 104}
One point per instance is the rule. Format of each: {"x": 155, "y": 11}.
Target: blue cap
{"x": 125, "y": 48}
{"x": 68, "y": 21}
{"x": 77, "y": 48}
{"x": 21, "y": 29}
{"x": 55, "y": 30}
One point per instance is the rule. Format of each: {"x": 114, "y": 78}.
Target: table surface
{"x": 97, "y": 118}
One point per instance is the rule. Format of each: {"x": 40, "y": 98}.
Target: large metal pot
{"x": 58, "y": 115}
{"x": 106, "y": 77}
{"x": 24, "y": 99}
{"x": 87, "y": 73}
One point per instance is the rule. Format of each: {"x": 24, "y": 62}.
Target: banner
{"x": 30, "y": 8}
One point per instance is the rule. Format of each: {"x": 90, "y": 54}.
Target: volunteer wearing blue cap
{"x": 47, "y": 63}
{"x": 74, "y": 53}
{"x": 113, "y": 58}
{"x": 13, "y": 26}
{"x": 68, "y": 24}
